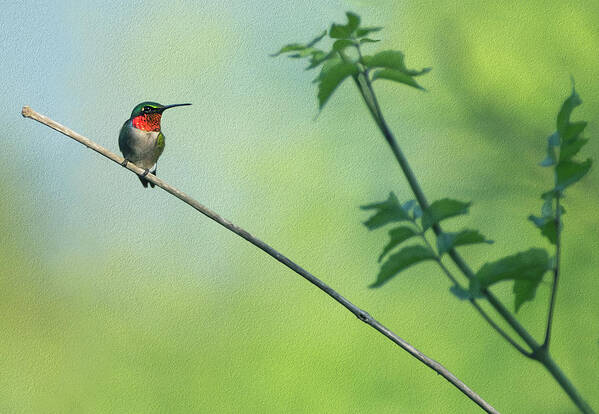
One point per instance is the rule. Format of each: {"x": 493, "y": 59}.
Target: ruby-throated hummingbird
{"x": 141, "y": 140}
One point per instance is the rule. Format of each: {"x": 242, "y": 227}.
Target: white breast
{"x": 142, "y": 145}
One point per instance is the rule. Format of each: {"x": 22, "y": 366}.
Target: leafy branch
{"x": 359, "y": 313}
{"x": 526, "y": 269}
{"x": 562, "y": 146}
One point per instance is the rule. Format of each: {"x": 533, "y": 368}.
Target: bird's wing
{"x": 123, "y": 146}
{"x": 160, "y": 143}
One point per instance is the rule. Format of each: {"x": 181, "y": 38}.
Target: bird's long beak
{"x": 172, "y": 106}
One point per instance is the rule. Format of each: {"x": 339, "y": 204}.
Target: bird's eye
{"x": 146, "y": 109}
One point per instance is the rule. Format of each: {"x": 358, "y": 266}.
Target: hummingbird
{"x": 141, "y": 141}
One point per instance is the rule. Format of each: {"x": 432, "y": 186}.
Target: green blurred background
{"x": 114, "y": 298}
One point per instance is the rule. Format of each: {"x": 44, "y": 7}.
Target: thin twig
{"x": 361, "y": 314}
{"x": 558, "y": 234}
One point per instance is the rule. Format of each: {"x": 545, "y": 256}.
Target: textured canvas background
{"x": 118, "y": 299}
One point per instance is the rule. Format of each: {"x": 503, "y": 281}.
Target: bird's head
{"x": 146, "y": 115}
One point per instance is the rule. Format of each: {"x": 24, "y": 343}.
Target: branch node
{"x": 364, "y": 316}
{"x": 540, "y": 353}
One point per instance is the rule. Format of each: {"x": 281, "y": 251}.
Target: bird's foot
{"x": 125, "y": 162}
{"x": 146, "y": 171}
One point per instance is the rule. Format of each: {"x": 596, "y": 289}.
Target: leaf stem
{"x": 359, "y": 313}
{"x": 556, "y": 271}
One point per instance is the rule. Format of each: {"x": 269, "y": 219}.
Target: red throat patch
{"x": 149, "y": 122}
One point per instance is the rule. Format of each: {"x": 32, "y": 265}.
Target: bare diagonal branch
{"x": 361, "y": 314}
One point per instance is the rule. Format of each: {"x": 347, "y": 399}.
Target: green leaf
{"x": 547, "y": 208}
{"x": 569, "y": 172}
{"x": 546, "y": 223}
{"x": 388, "y": 211}
{"x": 319, "y": 58}
{"x": 528, "y": 265}
{"x": 448, "y": 241}
{"x": 365, "y": 31}
{"x": 401, "y": 260}
{"x": 552, "y": 142}
{"x": 567, "y": 136}
{"x": 571, "y": 141}
{"x": 554, "y": 139}
{"x": 420, "y": 72}
{"x": 563, "y": 117}
{"x": 368, "y": 40}
{"x": 398, "y": 236}
{"x": 409, "y": 205}
{"x": 526, "y": 268}
{"x": 353, "y": 22}
{"x": 547, "y": 227}
{"x": 331, "y": 77}
{"x": 524, "y": 290}
{"x": 299, "y": 47}
{"x": 570, "y": 148}
{"x": 308, "y": 51}
{"x": 391, "y": 59}
{"x": 574, "y": 129}
{"x": 417, "y": 213}
{"x": 317, "y": 39}
{"x": 339, "y": 31}
{"x": 328, "y": 65}
{"x": 393, "y": 68}
{"x": 441, "y": 210}
{"x": 292, "y": 47}
{"x": 341, "y": 44}
{"x": 396, "y": 76}
{"x": 413, "y": 206}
